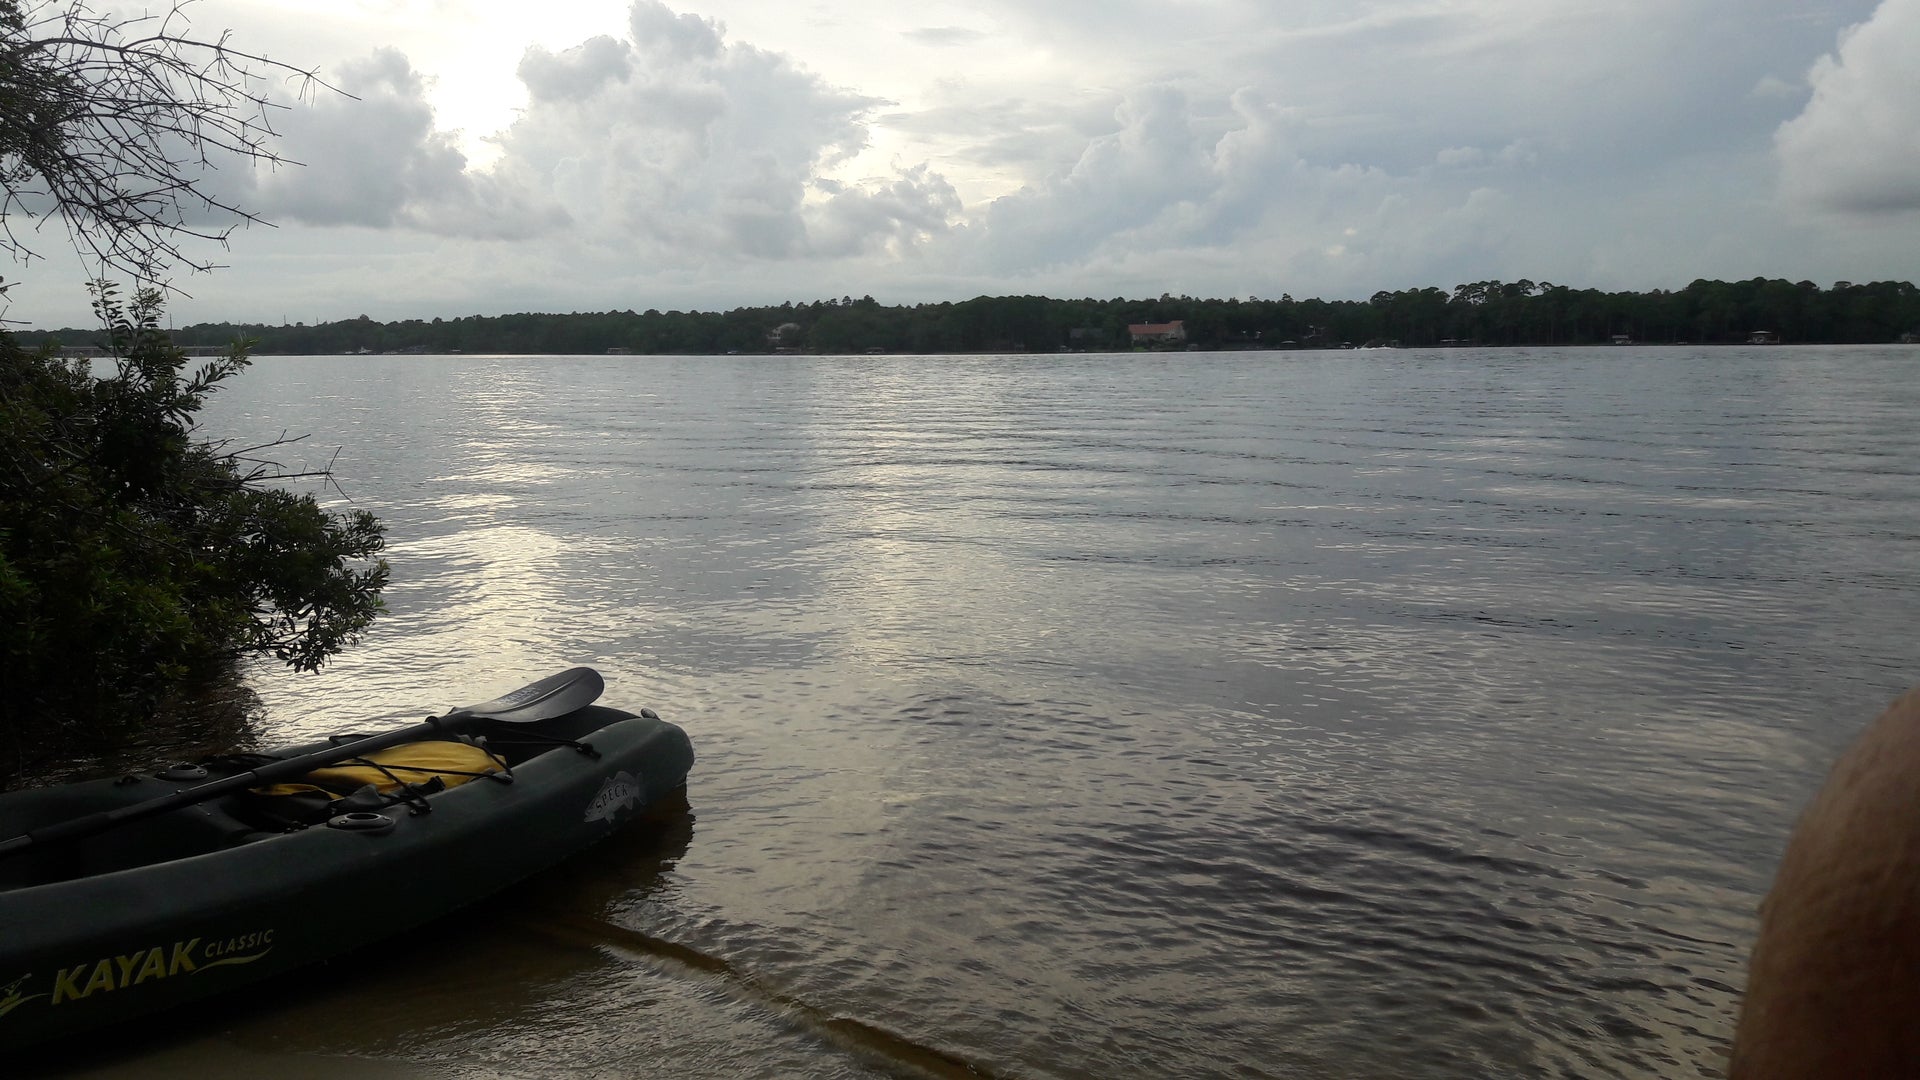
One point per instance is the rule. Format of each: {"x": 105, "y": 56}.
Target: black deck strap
{"x": 501, "y": 775}
{"x": 388, "y": 769}
{"x": 404, "y": 791}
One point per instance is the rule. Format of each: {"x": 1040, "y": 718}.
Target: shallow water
{"x": 1397, "y": 713}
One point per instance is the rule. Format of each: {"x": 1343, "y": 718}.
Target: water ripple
{"x": 1408, "y": 714}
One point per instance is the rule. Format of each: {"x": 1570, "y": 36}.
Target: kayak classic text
{"x": 141, "y": 965}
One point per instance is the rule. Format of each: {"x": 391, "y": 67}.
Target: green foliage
{"x": 134, "y": 557}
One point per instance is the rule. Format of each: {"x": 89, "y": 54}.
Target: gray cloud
{"x": 1856, "y": 146}
{"x": 1036, "y": 136}
{"x": 895, "y": 217}
{"x": 658, "y": 30}
{"x": 1164, "y": 181}
{"x": 1156, "y": 162}
{"x": 1610, "y": 83}
{"x": 376, "y": 160}
{"x": 1369, "y": 141}
{"x": 579, "y": 74}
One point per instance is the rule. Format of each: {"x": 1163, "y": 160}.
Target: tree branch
{"x": 121, "y": 124}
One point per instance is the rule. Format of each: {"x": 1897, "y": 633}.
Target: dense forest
{"x": 1482, "y": 313}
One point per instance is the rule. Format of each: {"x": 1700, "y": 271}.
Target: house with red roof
{"x": 1158, "y": 333}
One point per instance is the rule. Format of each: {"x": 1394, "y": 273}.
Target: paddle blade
{"x": 555, "y": 695}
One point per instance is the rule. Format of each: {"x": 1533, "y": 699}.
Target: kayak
{"x": 126, "y": 896}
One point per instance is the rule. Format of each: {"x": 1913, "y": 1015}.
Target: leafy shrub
{"x": 134, "y": 557}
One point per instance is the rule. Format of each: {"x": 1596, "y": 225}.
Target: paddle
{"x": 555, "y": 695}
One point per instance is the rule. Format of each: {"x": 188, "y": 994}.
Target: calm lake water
{"x": 1370, "y": 714}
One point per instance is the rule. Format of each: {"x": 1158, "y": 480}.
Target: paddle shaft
{"x": 273, "y": 772}
{"x": 553, "y": 696}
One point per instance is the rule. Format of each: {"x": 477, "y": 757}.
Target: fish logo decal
{"x": 13, "y": 998}
{"x": 621, "y": 791}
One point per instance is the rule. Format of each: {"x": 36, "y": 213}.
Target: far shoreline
{"x": 1482, "y": 315}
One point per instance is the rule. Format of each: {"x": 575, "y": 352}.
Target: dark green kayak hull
{"x": 110, "y": 946}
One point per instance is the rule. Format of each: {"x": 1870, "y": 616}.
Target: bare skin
{"x": 1833, "y": 989}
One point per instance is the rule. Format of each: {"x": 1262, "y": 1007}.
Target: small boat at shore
{"x": 126, "y": 896}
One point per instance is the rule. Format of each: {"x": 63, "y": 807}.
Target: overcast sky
{"x": 593, "y": 155}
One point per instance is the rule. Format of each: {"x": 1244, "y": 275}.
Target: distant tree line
{"x": 1481, "y": 313}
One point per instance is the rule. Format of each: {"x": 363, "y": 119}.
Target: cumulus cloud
{"x": 1855, "y": 147}
{"x": 896, "y": 216}
{"x": 671, "y": 146}
{"x": 376, "y": 160}
{"x": 667, "y": 141}
{"x": 1180, "y": 174}
{"x": 1386, "y": 141}
{"x": 676, "y": 142}
{"x": 578, "y": 75}
{"x": 1154, "y": 164}
{"x": 1007, "y": 134}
